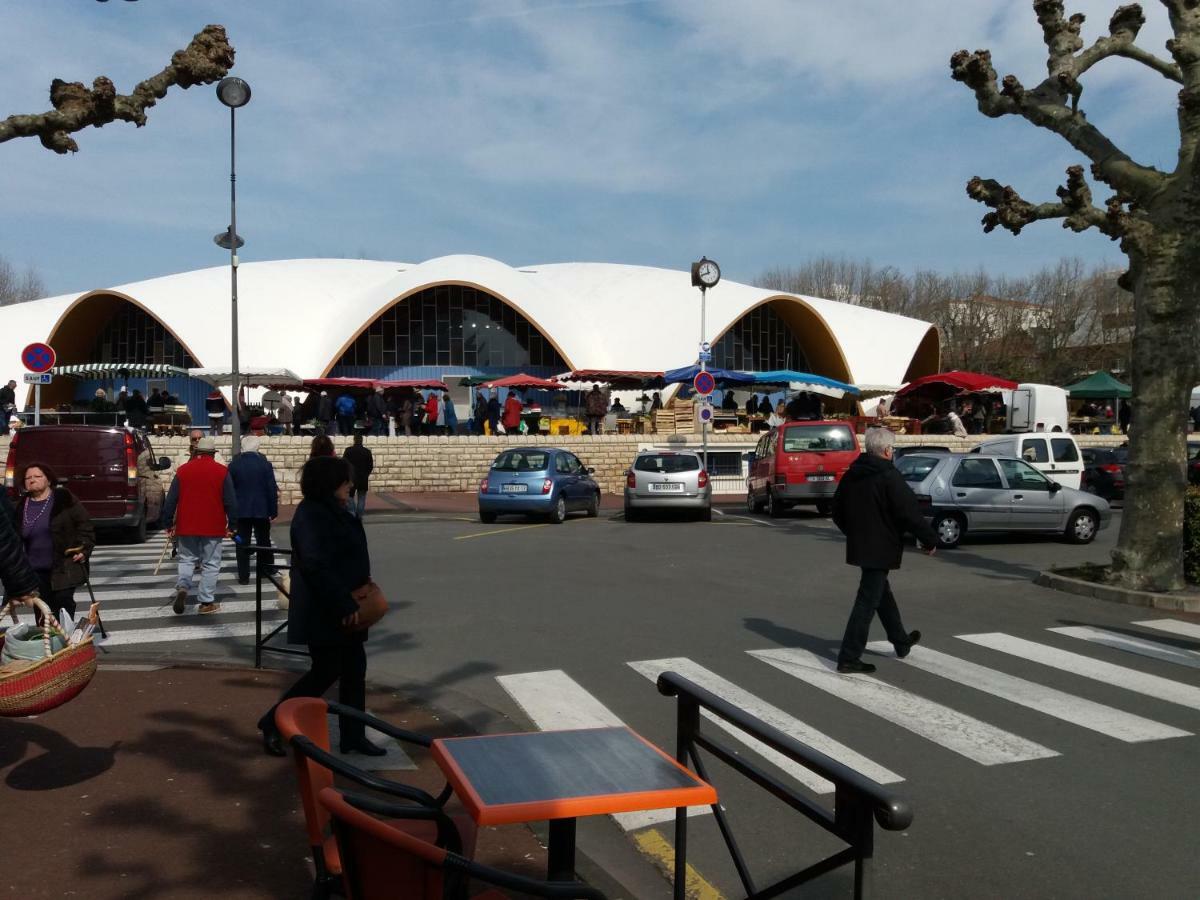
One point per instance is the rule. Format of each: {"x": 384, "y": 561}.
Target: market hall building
{"x": 446, "y": 318}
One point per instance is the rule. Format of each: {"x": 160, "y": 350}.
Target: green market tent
{"x": 1100, "y": 386}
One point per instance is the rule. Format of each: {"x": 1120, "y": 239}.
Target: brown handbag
{"x": 372, "y": 605}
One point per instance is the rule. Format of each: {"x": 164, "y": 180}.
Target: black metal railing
{"x": 858, "y": 802}
{"x": 271, "y": 576}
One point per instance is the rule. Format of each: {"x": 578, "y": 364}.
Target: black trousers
{"x": 344, "y": 662}
{"x": 56, "y": 600}
{"x": 874, "y": 596}
{"x": 261, "y": 530}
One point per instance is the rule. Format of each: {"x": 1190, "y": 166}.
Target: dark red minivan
{"x": 799, "y": 463}
{"x": 100, "y": 466}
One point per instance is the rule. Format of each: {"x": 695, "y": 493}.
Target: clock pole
{"x": 705, "y": 274}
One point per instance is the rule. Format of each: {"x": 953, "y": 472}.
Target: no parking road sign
{"x": 38, "y": 357}
{"x": 704, "y": 383}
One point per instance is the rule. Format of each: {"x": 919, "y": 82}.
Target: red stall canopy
{"x": 524, "y": 381}
{"x": 318, "y": 384}
{"x": 417, "y": 383}
{"x": 617, "y": 379}
{"x": 958, "y": 382}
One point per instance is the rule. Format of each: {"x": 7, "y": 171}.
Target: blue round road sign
{"x": 704, "y": 383}
{"x": 38, "y": 357}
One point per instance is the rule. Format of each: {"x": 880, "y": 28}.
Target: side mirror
{"x": 591, "y": 471}
{"x": 163, "y": 463}
{"x": 1055, "y": 487}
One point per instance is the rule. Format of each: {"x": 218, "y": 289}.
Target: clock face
{"x": 709, "y": 273}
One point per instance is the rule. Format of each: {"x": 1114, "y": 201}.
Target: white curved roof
{"x": 301, "y": 313}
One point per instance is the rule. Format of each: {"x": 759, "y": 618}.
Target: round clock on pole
{"x": 705, "y": 273}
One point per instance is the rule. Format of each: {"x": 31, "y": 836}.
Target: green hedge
{"x": 1191, "y": 535}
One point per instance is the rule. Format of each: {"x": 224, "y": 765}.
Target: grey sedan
{"x": 962, "y": 493}
{"x": 667, "y": 479}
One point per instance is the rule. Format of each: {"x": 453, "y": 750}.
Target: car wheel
{"x": 631, "y": 514}
{"x": 487, "y": 518}
{"x": 593, "y": 507}
{"x": 706, "y": 514}
{"x": 824, "y": 507}
{"x": 136, "y": 534}
{"x": 949, "y": 528}
{"x": 753, "y": 505}
{"x": 559, "y": 513}
{"x": 774, "y": 506}
{"x": 1082, "y": 526}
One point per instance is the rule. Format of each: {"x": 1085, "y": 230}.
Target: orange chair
{"x": 304, "y": 723}
{"x": 382, "y": 862}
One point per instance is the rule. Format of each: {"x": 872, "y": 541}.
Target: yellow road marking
{"x": 463, "y": 537}
{"x": 652, "y": 843}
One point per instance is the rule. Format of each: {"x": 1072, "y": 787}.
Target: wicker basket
{"x": 51, "y": 681}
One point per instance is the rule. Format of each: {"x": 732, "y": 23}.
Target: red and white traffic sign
{"x": 38, "y": 357}
{"x": 704, "y": 383}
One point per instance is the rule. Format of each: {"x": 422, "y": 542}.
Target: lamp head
{"x": 233, "y": 92}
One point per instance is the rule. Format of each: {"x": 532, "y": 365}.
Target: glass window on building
{"x": 134, "y": 337}
{"x": 760, "y": 341}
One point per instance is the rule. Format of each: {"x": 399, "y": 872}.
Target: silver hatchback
{"x": 962, "y": 493}
{"x": 667, "y": 479}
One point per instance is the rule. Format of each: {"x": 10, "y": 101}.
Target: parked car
{"x": 964, "y": 493}
{"x": 538, "y": 481}
{"x": 1055, "y": 455}
{"x": 1193, "y": 455}
{"x": 908, "y": 449}
{"x": 667, "y": 479}
{"x": 1104, "y": 471}
{"x": 99, "y": 465}
{"x": 799, "y": 463}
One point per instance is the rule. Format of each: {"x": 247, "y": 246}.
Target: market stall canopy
{"x": 1099, "y": 386}
{"x": 583, "y": 379}
{"x": 415, "y": 383}
{"x": 723, "y": 376}
{"x": 958, "y": 382}
{"x": 872, "y": 391}
{"x": 120, "y": 370}
{"x": 524, "y": 381}
{"x": 250, "y": 376}
{"x": 318, "y": 384}
{"x": 805, "y": 381}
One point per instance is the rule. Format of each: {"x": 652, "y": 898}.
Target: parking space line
{"x": 652, "y": 843}
{"x": 463, "y": 537}
{"x": 749, "y": 519}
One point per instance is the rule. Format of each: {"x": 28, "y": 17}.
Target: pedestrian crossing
{"x": 555, "y": 699}
{"x": 135, "y": 603}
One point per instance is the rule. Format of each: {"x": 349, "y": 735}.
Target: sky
{"x": 761, "y": 133}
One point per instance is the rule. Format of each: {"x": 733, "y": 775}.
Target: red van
{"x": 799, "y": 463}
{"x": 99, "y": 465}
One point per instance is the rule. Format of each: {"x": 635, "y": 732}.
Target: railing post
{"x": 686, "y": 726}
{"x": 855, "y": 821}
{"x": 257, "y": 616}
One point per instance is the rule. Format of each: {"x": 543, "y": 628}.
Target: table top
{"x": 507, "y": 778}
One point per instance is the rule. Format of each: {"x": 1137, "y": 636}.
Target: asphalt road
{"x": 1012, "y": 801}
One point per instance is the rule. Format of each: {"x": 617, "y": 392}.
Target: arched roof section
{"x": 927, "y": 360}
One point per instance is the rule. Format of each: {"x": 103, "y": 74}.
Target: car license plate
{"x": 514, "y": 488}
{"x": 666, "y": 486}
{"x": 820, "y": 478}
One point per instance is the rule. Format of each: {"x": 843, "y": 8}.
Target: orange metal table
{"x": 503, "y": 779}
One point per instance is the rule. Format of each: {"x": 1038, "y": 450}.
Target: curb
{"x": 1189, "y": 602}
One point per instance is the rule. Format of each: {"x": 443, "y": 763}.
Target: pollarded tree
{"x": 208, "y": 58}
{"x": 1156, "y": 217}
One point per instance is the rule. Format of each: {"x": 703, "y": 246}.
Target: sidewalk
{"x": 153, "y": 784}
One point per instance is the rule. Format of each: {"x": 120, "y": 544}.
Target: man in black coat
{"x": 874, "y": 507}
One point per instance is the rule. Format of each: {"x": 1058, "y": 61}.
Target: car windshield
{"x": 667, "y": 463}
{"x": 1193, "y": 451}
{"x": 916, "y": 468}
{"x": 522, "y": 461}
{"x": 817, "y": 438}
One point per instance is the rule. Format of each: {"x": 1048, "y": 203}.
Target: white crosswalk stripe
{"x": 183, "y": 633}
{"x": 1173, "y": 626}
{"x": 1140, "y": 646}
{"x": 554, "y": 700}
{"x": 965, "y": 735}
{"x": 1118, "y": 676}
{"x": 774, "y": 716}
{"x": 1076, "y": 710}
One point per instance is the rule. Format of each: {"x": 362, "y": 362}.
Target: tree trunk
{"x": 1149, "y": 553}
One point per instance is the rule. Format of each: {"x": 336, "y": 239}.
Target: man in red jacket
{"x": 200, "y": 511}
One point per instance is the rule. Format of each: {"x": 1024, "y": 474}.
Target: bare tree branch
{"x": 1123, "y": 30}
{"x": 206, "y": 59}
{"x": 1074, "y": 207}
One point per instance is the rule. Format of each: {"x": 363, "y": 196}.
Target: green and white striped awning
{"x": 118, "y": 370}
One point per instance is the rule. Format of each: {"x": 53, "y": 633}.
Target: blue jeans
{"x": 358, "y": 502}
{"x": 206, "y": 550}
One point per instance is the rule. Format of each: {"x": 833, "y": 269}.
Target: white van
{"x": 1056, "y": 456}
{"x": 1037, "y": 407}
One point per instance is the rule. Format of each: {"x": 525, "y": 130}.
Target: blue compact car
{"x": 538, "y": 481}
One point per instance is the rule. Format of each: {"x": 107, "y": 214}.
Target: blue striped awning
{"x": 117, "y": 370}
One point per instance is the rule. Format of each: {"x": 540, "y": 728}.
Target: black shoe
{"x": 363, "y": 746}
{"x": 243, "y": 581}
{"x": 273, "y": 743}
{"x": 856, "y": 666}
{"x": 902, "y": 650}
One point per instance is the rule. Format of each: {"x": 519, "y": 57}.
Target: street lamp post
{"x": 234, "y": 93}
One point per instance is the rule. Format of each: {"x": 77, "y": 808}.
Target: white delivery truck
{"x": 1056, "y": 456}
{"x": 1036, "y": 407}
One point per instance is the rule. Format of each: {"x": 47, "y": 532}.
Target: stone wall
{"x": 416, "y": 464}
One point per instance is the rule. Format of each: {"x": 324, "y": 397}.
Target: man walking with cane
{"x": 874, "y": 507}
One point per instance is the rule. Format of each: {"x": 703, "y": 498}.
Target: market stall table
{"x": 505, "y": 779}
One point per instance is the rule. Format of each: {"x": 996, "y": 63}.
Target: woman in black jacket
{"x": 57, "y": 534}
{"x": 330, "y": 562}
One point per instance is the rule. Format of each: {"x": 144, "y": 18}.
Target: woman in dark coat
{"x": 51, "y": 522}
{"x": 329, "y": 563}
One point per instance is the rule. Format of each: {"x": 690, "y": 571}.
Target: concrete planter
{"x": 1176, "y": 601}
